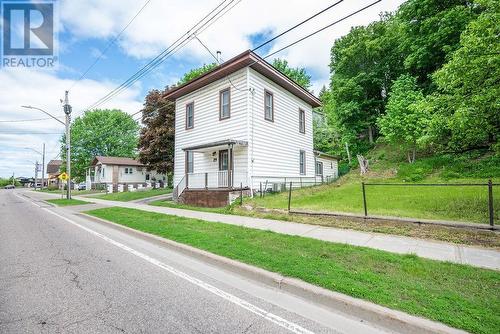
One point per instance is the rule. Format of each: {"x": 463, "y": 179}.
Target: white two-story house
{"x": 244, "y": 124}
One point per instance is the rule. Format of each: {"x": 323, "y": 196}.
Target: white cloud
{"x": 43, "y": 90}
{"x": 162, "y": 22}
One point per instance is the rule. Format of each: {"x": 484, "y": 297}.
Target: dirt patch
{"x": 489, "y": 239}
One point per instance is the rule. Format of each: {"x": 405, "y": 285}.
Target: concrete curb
{"x": 378, "y": 315}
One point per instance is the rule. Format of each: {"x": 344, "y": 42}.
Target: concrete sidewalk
{"x": 474, "y": 256}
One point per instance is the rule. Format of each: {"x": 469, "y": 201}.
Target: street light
{"x": 43, "y": 161}
{"x": 67, "y": 111}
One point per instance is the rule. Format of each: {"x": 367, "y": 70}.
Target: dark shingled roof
{"x": 247, "y": 58}
{"x": 53, "y": 166}
{"x": 116, "y": 161}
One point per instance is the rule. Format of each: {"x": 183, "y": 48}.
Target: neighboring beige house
{"x": 244, "y": 123}
{"x": 53, "y": 172}
{"x": 121, "y": 173}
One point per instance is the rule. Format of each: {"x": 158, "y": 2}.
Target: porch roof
{"x": 216, "y": 144}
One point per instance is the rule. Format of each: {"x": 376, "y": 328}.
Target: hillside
{"x": 458, "y": 203}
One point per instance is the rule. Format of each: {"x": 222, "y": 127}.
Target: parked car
{"x": 10, "y": 186}
{"x": 82, "y": 186}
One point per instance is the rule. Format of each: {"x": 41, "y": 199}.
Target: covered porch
{"x": 216, "y": 165}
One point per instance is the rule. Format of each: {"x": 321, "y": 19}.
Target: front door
{"x": 223, "y": 160}
{"x": 223, "y": 168}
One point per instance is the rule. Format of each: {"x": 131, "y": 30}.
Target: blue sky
{"x": 86, "y": 28}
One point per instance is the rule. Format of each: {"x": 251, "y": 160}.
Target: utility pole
{"x": 43, "y": 166}
{"x": 67, "y": 111}
{"x": 13, "y": 179}
{"x": 36, "y": 174}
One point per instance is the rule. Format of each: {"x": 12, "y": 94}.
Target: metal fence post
{"x": 206, "y": 180}
{"x": 289, "y": 196}
{"x": 490, "y": 203}
{"x": 261, "y": 190}
{"x": 364, "y": 198}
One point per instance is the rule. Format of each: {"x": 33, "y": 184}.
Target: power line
{"x": 111, "y": 42}
{"x": 159, "y": 59}
{"x": 297, "y": 25}
{"x": 29, "y": 133}
{"x": 174, "y": 47}
{"x": 26, "y": 120}
{"x": 320, "y": 30}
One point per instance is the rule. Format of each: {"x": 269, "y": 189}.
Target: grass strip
{"x": 460, "y": 236}
{"x": 458, "y": 295}
{"x": 67, "y": 202}
{"x": 135, "y": 195}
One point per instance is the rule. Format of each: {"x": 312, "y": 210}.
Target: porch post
{"x": 230, "y": 167}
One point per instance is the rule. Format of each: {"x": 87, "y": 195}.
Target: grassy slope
{"x": 131, "y": 196}
{"x": 67, "y": 202}
{"x": 461, "y": 296}
{"x": 449, "y": 203}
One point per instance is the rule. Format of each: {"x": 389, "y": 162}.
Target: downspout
{"x": 250, "y": 126}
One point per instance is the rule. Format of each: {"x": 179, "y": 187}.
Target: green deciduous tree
{"x": 430, "y": 32}
{"x": 156, "y": 142}
{"x": 404, "y": 122}
{"x": 297, "y": 74}
{"x": 100, "y": 132}
{"x": 363, "y": 65}
{"x": 466, "y": 107}
{"x": 196, "y": 72}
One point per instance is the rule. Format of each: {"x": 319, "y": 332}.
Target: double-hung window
{"x": 128, "y": 170}
{"x": 190, "y": 115}
{"x": 268, "y": 106}
{"x": 302, "y": 161}
{"x": 225, "y": 103}
{"x": 189, "y": 162}
{"x": 319, "y": 168}
{"x": 302, "y": 121}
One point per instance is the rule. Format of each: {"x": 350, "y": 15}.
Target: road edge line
{"x": 376, "y": 314}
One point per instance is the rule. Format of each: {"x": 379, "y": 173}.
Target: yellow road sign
{"x": 63, "y": 177}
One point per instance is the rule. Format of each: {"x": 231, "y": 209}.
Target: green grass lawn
{"x": 67, "y": 202}
{"x": 468, "y": 204}
{"x": 171, "y": 204}
{"x": 473, "y": 237}
{"x": 131, "y": 196}
{"x": 74, "y": 192}
{"x": 458, "y": 295}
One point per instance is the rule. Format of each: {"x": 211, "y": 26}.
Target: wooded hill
{"x": 425, "y": 79}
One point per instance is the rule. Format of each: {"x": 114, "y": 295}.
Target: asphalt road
{"x": 60, "y": 273}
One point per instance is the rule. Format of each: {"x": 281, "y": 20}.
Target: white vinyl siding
{"x": 273, "y": 147}
{"x": 276, "y": 145}
{"x": 208, "y": 126}
{"x": 330, "y": 167}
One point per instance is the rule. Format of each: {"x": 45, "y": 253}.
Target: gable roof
{"x": 53, "y": 166}
{"x": 247, "y": 58}
{"x": 120, "y": 161}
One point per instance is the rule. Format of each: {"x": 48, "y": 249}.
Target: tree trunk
{"x": 370, "y": 134}
{"x": 348, "y": 152}
{"x": 363, "y": 164}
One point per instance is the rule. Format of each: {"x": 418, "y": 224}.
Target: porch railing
{"x": 218, "y": 179}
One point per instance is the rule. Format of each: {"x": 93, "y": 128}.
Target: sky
{"x": 86, "y": 28}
